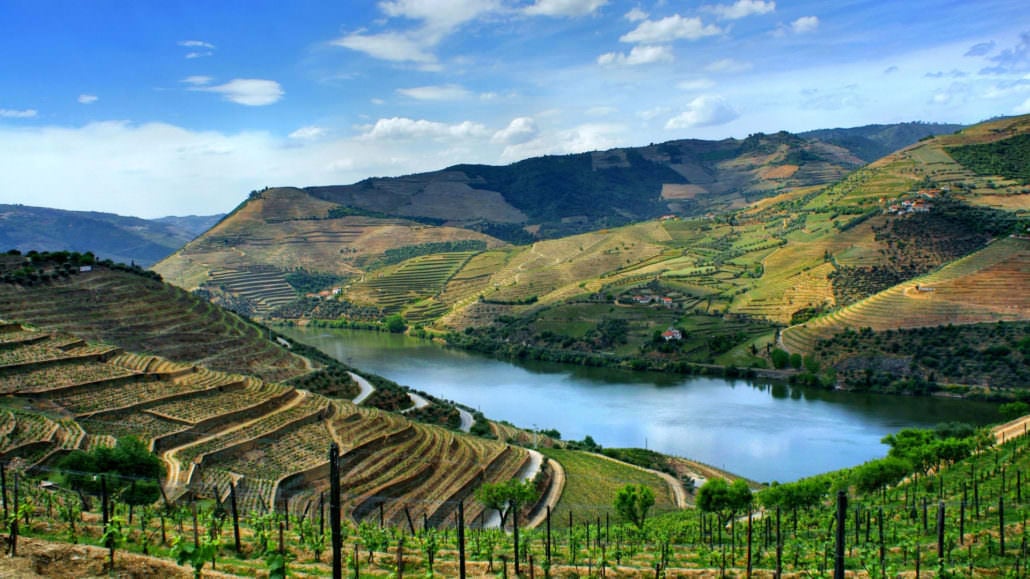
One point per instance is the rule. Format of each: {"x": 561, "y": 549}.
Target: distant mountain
{"x": 193, "y": 224}
{"x": 871, "y": 142}
{"x": 553, "y": 196}
{"x": 109, "y": 236}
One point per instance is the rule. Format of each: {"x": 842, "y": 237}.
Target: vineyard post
{"x": 842, "y": 507}
{"x": 868, "y": 524}
{"x": 547, "y": 545}
{"x": 515, "y": 535}
{"x": 103, "y": 500}
{"x": 570, "y": 536}
{"x": 334, "y": 513}
{"x": 381, "y": 522}
{"x": 940, "y": 531}
{"x": 918, "y": 552}
{"x": 425, "y": 522}
{"x": 235, "y": 517}
{"x": 779, "y": 546}
{"x": 926, "y": 525}
{"x": 1001, "y": 524}
{"x": 976, "y": 498}
{"x": 321, "y": 514}
{"x": 3, "y": 486}
{"x": 1019, "y": 485}
{"x": 883, "y": 549}
{"x": 858, "y": 524}
{"x": 14, "y": 520}
{"x": 961, "y": 521}
{"x": 749, "y": 543}
{"x": 461, "y": 539}
{"x": 407, "y": 515}
{"x": 607, "y": 529}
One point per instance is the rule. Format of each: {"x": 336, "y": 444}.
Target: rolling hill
{"x": 728, "y": 280}
{"x": 115, "y": 237}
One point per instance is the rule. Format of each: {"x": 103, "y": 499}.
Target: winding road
{"x": 528, "y": 471}
{"x": 366, "y": 388}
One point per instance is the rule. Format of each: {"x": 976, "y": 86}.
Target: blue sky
{"x": 154, "y": 108}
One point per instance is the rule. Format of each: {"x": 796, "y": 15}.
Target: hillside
{"x": 726, "y": 282}
{"x": 556, "y": 196}
{"x": 871, "y": 142}
{"x": 211, "y": 428}
{"x": 115, "y": 237}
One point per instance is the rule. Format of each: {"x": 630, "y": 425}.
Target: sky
{"x": 176, "y": 107}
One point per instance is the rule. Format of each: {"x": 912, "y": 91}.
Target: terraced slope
{"x": 989, "y": 285}
{"x": 212, "y": 428}
{"x": 143, "y": 315}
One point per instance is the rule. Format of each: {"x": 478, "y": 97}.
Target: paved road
{"x": 366, "y": 388}
{"x": 529, "y": 470}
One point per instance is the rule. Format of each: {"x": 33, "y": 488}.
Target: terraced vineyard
{"x": 263, "y": 288}
{"x": 415, "y": 279}
{"x": 143, "y": 315}
{"x": 212, "y": 428}
{"x": 954, "y": 294}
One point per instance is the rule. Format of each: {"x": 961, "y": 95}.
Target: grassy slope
{"x": 287, "y": 228}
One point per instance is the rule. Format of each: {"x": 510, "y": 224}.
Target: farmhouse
{"x": 672, "y": 334}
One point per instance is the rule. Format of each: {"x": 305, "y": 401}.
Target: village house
{"x": 672, "y": 334}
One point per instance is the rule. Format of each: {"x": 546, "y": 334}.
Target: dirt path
{"x": 679, "y": 494}
{"x": 552, "y": 496}
{"x": 1012, "y": 429}
{"x": 366, "y": 388}
{"x": 174, "y": 465}
{"x": 418, "y": 401}
{"x": 466, "y": 420}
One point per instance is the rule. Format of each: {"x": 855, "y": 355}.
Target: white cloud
{"x": 197, "y": 80}
{"x": 199, "y": 48}
{"x": 254, "y": 92}
{"x": 635, "y": 15}
{"x": 519, "y": 130}
{"x": 564, "y": 7}
{"x": 704, "y": 111}
{"x": 653, "y": 113}
{"x": 600, "y": 111}
{"x": 1023, "y": 108}
{"x": 196, "y": 44}
{"x": 638, "y": 55}
{"x": 695, "y": 84}
{"x": 400, "y": 128}
{"x": 448, "y": 92}
{"x": 308, "y": 133}
{"x": 804, "y": 24}
{"x": 18, "y": 114}
{"x": 670, "y": 28}
{"x": 391, "y": 46}
{"x": 741, "y": 9}
{"x": 105, "y": 166}
{"x": 728, "y": 66}
{"x": 88, "y": 99}
{"x": 579, "y": 139}
{"x": 438, "y": 18}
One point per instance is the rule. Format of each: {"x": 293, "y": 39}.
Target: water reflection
{"x": 761, "y": 430}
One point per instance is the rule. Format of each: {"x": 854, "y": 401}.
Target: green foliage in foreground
{"x": 129, "y": 469}
{"x": 984, "y": 497}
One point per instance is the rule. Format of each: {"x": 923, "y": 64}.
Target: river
{"x": 763, "y": 431}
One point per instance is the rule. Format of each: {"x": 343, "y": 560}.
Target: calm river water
{"x": 761, "y": 431}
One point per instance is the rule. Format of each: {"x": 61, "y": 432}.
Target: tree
{"x": 879, "y": 473}
{"x": 130, "y": 468}
{"x": 632, "y": 503}
{"x": 1013, "y": 410}
{"x": 780, "y": 358}
{"x": 724, "y": 499}
{"x": 395, "y": 324}
{"x": 506, "y": 497}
